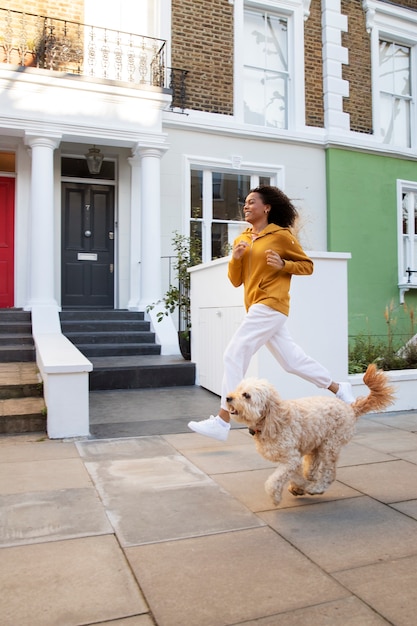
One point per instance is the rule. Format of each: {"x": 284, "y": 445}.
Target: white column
{"x": 135, "y": 235}
{"x": 41, "y": 285}
{"x": 150, "y": 196}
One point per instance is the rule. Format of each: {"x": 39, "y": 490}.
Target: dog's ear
{"x": 274, "y": 417}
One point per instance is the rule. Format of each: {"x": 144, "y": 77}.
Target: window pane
{"x": 77, "y": 168}
{"x": 219, "y": 241}
{"x": 276, "y": 100}
{"x": 395, "y": 120}
{"x": 254, "y": 37}
{"x": 386, "y": 66}
{"x": 196, "y": 233}
{"x": 196, "y": 194}
{"x": 265, "y": 41}
{"x": 229, "y": 193}
{"x": 265, "y": 73}
{"x": 402, "y": 71}
{"x": 254, "y": 96}
{"x": 276, "y": 46}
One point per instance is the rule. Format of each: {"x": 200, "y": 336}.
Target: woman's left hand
{"x": 274, "y": 260}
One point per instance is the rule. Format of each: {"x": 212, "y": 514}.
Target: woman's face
{"x": 255, "y": 210}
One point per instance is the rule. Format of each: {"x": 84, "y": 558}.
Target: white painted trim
{"x": 296, "y": 11}
{"x": 403, "y": 284}
{"x": 397, "y": 24}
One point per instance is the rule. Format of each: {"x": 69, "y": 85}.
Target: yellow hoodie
{"x": 264, "y": 284}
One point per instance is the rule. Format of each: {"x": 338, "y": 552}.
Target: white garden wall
{"x": 318, "y": 322}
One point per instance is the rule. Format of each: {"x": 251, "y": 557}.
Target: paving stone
{"x": 12, "y": 450}
{"x": 387, "y": 440}
{"x": 164, "y": 498}
{"x": 357, "y": 454}
{"x": 248, "y": 488}
{"x": 388, "y": 482}
{"x": 137, "y": 620}
{"x": 386, "y": 587}
{"x": 219, "y": 460}
{"x": 115, "y": 449}
{"x": 81, "y": 581}
{"x": 50, "y": 516}
{"x": 50, "y": 475}
{"x": 346, "y": 612}
{"x": 228, "y": 578}
{"x": 348, "y": 533}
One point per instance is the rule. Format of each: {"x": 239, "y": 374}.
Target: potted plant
{"x": 177, "y": 297}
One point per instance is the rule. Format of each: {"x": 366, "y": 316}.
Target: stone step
{"x": 141, "y": 372}
{"x": 22, "y": 415}
{"x": 22, "y": 407}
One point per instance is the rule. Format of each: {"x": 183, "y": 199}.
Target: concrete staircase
{"x": 22, "y": 408}
{"x": 16, "y": 341}
{"x": 120, "y": 345}
{"x": 123, "y": 351}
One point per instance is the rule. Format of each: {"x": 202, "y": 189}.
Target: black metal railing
{"x": 53, "y": 44}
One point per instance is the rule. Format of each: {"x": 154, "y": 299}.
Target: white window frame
{"x": 398, "y": 25}
{"x": 234, "y": 165}
{"x": 406, "y": 280}
{"x": 295, "y": 11}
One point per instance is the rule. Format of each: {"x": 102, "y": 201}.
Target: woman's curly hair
{"x": 283, "y": 213}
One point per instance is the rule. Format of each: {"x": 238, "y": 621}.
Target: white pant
{"x": 265, "y": 326}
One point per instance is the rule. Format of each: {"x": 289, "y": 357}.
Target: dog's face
{"x": 250, "y": 402}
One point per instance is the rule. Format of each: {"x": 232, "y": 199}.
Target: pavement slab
{"x": 51, "y": 516}
{"x": 389, "y": 588}
{"x": 345, "y": 612}
{"x": 65, "y": 583}
{"x": 173, "y": 528}
{"x": 248, "y": 488}
{"x": 50, "y": 475}
{"x": 152, "y": 493}
{"x": 228, "y": 578}
{"x": 392, "y": 481}
{"x": 346, "y": 534}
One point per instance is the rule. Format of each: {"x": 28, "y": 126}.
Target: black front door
{"x": 87, "y": 245}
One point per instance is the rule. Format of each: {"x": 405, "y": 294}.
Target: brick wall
{"x": 202, "y": 43}
{"x": 358, "y": 71}
{"x": 73, "y": 10}
{"x": 313, "y": 60}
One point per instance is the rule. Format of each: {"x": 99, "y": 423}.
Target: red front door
{"x": 6, "y": 242}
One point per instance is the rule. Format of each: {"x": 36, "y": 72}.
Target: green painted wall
{"x": 362, "y": 220}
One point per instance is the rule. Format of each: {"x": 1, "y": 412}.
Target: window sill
{"x": 403, "y": 287}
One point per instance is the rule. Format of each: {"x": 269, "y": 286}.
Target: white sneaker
{"x": 211, "y": 427}
{"x": 345, "y": 393}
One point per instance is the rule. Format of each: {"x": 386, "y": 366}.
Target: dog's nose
{"x": 229, "y": 399}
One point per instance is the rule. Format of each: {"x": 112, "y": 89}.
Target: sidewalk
{"x": 176, "y": 530}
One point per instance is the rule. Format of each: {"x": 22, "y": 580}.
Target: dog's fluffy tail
{"x": 381, "y": 392}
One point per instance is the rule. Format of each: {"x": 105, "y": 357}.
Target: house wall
{"x": 303, "y": 177}
{"x": 358, "y": 71}
{"x": 202, "y": 43}
{"x": 362, "y": 220}
{"x": 313, "y": 62}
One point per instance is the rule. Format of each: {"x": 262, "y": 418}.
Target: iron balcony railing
{"x": 30, "y": 40}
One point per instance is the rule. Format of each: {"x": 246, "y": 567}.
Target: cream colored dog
{"x": 303, "y": 436}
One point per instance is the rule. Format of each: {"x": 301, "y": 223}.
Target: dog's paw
{"x": 274, "y": 493}
{"x": 295, "y": 490}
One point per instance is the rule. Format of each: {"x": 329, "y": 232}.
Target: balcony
{"x": 55, "y": 45}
